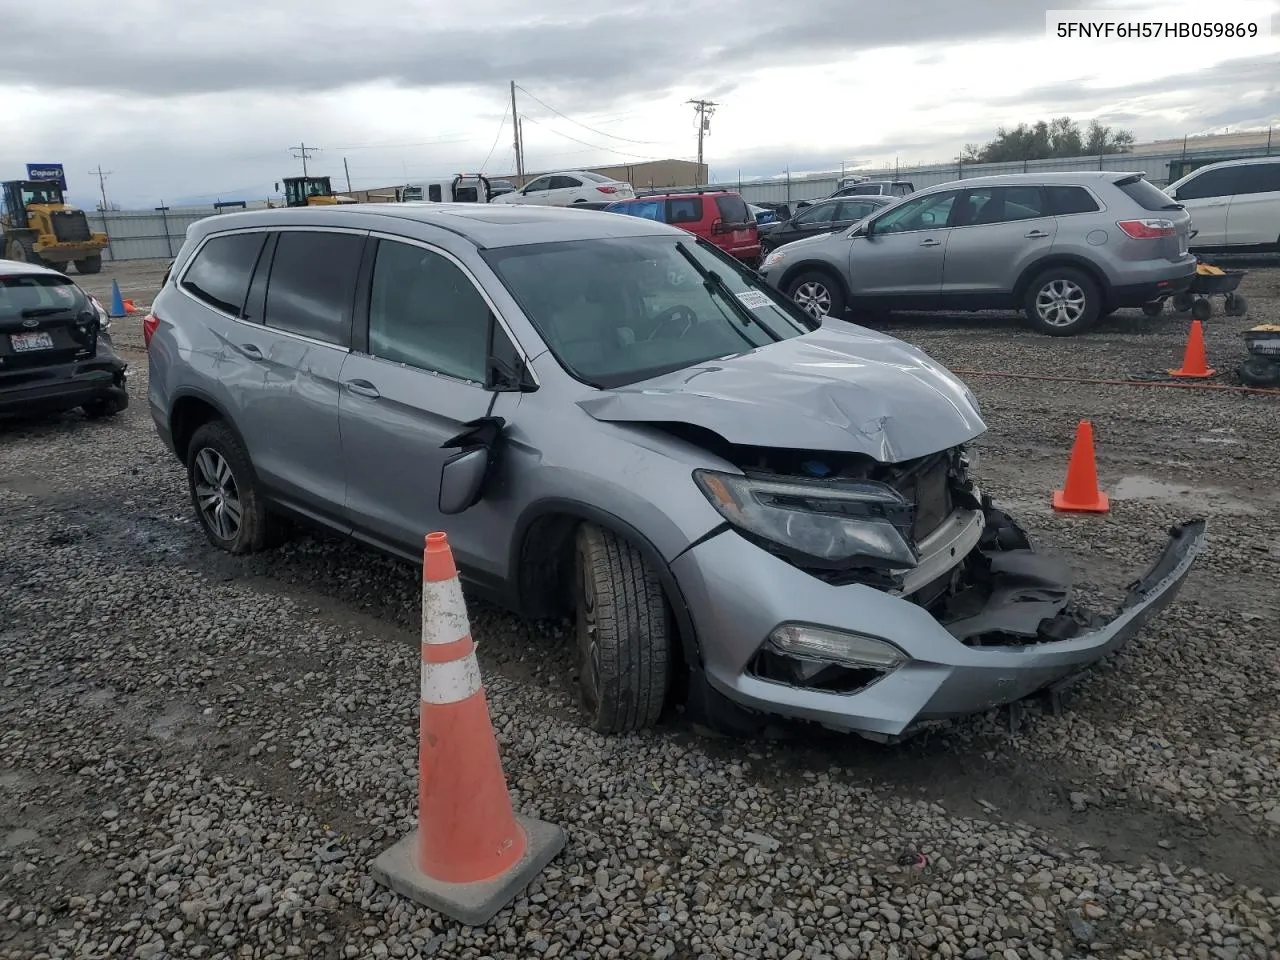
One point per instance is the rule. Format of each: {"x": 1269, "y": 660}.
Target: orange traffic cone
{"x": 471, "y": 854}
{"x": 1193, "y": 359}
{"x": 1080, "y": 493}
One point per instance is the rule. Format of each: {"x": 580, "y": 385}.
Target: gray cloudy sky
{"x": 184, "y": 102}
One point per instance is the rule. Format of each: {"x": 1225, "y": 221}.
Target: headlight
{"x": 104, "y": 318}
{"x": 772, "y": 259}
{"x": 835, "y": 523}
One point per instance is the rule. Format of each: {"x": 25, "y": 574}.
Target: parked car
{"x": 615, "y": 421}
{"x": 499, "y": 187}
{"x": 718, "y": 216}
{"x": 563, "y": 189}
{"x": 866, "y": 187}
{"x": 1065, "y": 248}
{"x": 56, "y": 352}
{"x": 1235, "y": 205}
{"x": 823, "y": 217}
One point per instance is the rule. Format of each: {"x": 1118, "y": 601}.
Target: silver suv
{"x": 613, "y": 420}
{"x": 1065, "y": 248}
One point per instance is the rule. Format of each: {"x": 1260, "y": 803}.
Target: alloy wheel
{"x": 1061, "y": 303}
{"x": 217, "y": 496}
{"x": 813, "y": 298}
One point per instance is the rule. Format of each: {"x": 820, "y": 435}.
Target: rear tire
{"x": 89, "y": 265}
{"x": 220, "y": 475}
{"x": 106, "y": 406}
{"x": 818, "y": 294}
{"x": 623, "y": 632}
{"x": 1062, "y": 302}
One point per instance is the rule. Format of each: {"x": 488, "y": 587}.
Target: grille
{"x": 929, "y": 492}
{"x": 70, "y": 225}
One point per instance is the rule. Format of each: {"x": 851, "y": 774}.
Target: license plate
{"x": 23, "y": 342}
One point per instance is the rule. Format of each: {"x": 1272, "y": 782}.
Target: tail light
{"x": 717, "y": 226}
{"x": 149, "y": 324}
{"x": 607, "y": 189}
{"x": 1147, "y": 229}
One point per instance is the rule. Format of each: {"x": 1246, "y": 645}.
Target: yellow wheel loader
{"x": 37, "y": 226}
{"x": 311, "y": 192}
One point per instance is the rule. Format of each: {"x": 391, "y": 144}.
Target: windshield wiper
{"x": 44, "y": 311}
{"x": 714, "y": 282}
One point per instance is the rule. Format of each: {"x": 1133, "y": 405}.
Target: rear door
{"x": 413, "y": 380}
{"x": 996, "y": 232}
{"x": 296, "y": 334}
{"x": 564, "y": 190}
{"x": 1254, "y": 214}
{"x": 1207, "y": 197}
{"x": 45, "y": 319}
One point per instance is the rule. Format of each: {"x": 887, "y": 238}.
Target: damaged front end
{"x": 1003, "y": 620}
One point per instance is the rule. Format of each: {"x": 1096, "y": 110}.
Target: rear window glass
{"x": 39, "y": 295}
{"x": 733, "y": 209}
{"x": 684, "y": 210}
{"x": 1068, "y": 200}
{"x": 595, "y": 178}
{"x": 221, "y": 271}
{"x": 1147, "y": 196}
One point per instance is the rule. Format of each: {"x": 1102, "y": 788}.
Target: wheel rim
{"x": 217, "y": 495}
{"x": 1060, "y": 303}
{"x": 813, "y": 298}
{"x": 588, "y": 639}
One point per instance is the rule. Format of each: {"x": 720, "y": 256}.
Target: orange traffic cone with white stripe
{"x": 471, "y": 854}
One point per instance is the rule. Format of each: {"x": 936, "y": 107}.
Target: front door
{"x": 996, "y": 232}
{"x": 537, "y": 192}
{"x": 901, "y": 260}
{"x": 413, "y": 388}
{"x": 1207, "y": 197}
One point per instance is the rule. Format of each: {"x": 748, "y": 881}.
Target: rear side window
{"x": 434, "y": 193}
{"x": 1064, "y": 201}
{"x": 220, "y": 273}
{"x": 1259, "y": 178}
{"x": 644, "y": 209}
{"x": 684, "y": 210}
{"x": 733, "y": 209}
{"x": 312, "y": 284}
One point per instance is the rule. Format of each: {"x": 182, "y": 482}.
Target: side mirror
{"x": 463, "y": 475}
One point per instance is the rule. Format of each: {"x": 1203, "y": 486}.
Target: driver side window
{"x": 537, "y": 186}
{"x": 922, "y": 213}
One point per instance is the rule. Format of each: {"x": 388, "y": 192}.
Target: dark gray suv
{"x": 1065, "y": 248}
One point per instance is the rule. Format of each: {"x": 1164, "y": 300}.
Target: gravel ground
{"x": 200, "y": 755}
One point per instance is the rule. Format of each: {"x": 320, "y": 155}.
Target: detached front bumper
{"x": 738, "y": 594}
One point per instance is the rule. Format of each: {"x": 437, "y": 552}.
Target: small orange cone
{"x": 1193, "y": 359}
{"x": 471, "y": 854}
{"x": 129, "y": 307}
{"x": 1080, "y": 494}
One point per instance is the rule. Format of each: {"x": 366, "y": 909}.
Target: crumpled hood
{"x": 839, "y": 388}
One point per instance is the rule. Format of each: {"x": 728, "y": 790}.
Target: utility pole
{"x": 102, "y": 185}
{"x": 347, "y": 172}
{"x": 704, "y": 109}
{"x": 304, "y": 154}
{"x": 515, "y": 127}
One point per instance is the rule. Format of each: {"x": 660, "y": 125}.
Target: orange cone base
{"x": 1100, "y": 505}
{"x": 473, "y": 904}
{"x": 1207, "y": 372}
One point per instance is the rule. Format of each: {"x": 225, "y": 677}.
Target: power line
{"x": 594, "y": 146}
{"x": 602, "y": 133}
{"x": 705, "y": 109}
{"x": 303, "y": 154}
{"x": 501, "y": 126}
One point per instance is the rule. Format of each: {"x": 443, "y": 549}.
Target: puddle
{"x": 1147, "y": 488}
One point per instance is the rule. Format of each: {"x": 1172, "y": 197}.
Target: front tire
{"x": 623, "y": 633}
{"x": 89, "y": 265}
{"x": 818, "y": 294}
{"x": 225, "y": 493}
{"x": 1062, "y": 302}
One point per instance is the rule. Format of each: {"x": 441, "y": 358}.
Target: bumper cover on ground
{"x": 738, "y": 594}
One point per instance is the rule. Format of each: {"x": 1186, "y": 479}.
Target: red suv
{"x": 720, "y": 217}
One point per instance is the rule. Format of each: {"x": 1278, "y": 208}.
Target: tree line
{"x": 1049, "y": 140}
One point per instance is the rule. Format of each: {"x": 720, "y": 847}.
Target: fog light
{"x": 836, "y": 646}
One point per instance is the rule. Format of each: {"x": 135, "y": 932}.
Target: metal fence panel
{"x": 144, "y": 234}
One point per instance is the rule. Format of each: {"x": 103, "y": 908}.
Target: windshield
{"x": 43, "y": 194}
{"x": 620, "y": 310}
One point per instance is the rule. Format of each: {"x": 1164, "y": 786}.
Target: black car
{"x": 825, "y": 216}
{"x": 55, "y": 347}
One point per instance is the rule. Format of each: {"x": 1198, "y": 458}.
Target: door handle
{"x": 251, "y": 350}
{"x": 363, "y": 388}
{"x": 1036, "y": 235}
{"x": 931, "y": 243}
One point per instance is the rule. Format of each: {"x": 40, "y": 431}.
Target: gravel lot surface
{"x": 200, "y": 755}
